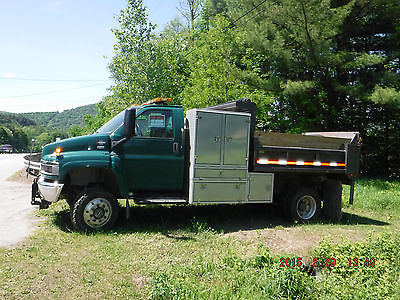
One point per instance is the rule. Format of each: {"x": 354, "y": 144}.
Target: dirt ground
{"x": 295, "y": 240}
{"x": 17, "y": 220}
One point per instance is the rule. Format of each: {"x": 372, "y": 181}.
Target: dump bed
{"x": 336, "y": 153}
{"x": 314, "y": 152}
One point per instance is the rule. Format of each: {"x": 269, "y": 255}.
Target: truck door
{"x": 154, "y": 158}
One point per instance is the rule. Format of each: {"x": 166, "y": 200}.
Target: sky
{"x": 54, "y": 53}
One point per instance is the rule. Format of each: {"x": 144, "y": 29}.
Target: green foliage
{"x": 232, "y": 277}
{"x": 215, "y": 75}
{"x": 212, "y": 77}
{"x": 145, "y": 66}
{"x": 61, "y": 120}
{"x": 377, "y": 194}
{"x": 15, "y": 119}
{"x": 309, "y": 66}
{"x": 386, "y": 95}
{"x": 19, "y": 129}
{"x": 199, "y": 226}
{"x": 333, "y": 66}
{"x": 14, "y": 135}
{"x": 262, "y": 277}
{"x": 364, "y": 281}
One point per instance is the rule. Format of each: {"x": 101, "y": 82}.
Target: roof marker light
{"x": 157, "y": 100}
{"x": 58, "y": 151}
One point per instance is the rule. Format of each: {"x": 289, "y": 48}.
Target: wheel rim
{"x": 306, "y": 207}
{"x": 97, "y": 212}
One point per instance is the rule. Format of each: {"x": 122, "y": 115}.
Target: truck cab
{"x": 139, "y": 152}
{"x": 153, "y": 153}
{"x": 153, "y": 159}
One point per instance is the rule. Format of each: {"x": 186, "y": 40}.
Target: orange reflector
{"x": 265, "y": 161}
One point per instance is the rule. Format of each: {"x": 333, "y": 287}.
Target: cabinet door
{"x": 219, "y": 192}
{"x": 209, "y": 137}
{"x": 261, "y": 187}
{"x": 236, "y": 140}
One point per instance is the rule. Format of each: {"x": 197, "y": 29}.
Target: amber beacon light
{"x": 58, "y": 151}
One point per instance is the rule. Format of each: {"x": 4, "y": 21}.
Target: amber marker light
{"x": 58, "y": 151}
{"x": 282, "y": 162}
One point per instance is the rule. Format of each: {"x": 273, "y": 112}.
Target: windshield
{"x": 112, "y": 125}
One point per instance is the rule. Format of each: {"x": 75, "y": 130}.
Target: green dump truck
{"x": 155, "y": 154}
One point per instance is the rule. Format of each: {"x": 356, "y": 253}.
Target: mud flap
{"x": 35, "y": 194}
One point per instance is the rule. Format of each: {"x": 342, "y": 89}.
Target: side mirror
{"x": 129, "y": 123}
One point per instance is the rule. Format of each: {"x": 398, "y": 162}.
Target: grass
{"x": 178, "y": 252}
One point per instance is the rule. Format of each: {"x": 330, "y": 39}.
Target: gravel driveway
{"x": 16, "y": 213}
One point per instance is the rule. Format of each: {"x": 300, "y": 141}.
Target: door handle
{"x": 217, "y": 139}
{"x": 175, "y": 148}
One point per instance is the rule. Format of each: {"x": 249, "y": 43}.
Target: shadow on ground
{"x": 220, "y": 218}
{"x": 352, "y": 219}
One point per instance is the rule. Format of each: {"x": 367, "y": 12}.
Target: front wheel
{"x": 94, "y": 210}
{"x": 304, "y": 205}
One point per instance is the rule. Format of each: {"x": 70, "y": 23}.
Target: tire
{"x": 94, "y": 210}
{"x": 332, "y": 197}
{"x": 303, "y": 205}
{"x": 70, "y": 202}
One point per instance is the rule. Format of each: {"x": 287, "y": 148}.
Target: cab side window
{"x": 155, "y": 123}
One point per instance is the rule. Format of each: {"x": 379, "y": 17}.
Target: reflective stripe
{"x": 282, "y": 162}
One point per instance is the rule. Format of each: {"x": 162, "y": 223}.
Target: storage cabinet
{"x": 219, "y": 142}
{"x": 221, "y": 139}
{"x": 219, "y": 191}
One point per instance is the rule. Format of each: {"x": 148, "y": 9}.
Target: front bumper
{"x": 46, "y": 191}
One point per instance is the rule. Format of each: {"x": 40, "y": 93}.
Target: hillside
{"x": 61, "y": 120}
{"x": 19, "y": 129}
{"x": 7, "y": 119}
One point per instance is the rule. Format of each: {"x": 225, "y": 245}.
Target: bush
{"x": 375, "y": 277}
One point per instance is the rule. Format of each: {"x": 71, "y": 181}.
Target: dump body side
{"x": 334, "y": 157}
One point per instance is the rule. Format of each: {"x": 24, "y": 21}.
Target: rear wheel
{"x": 94, "y": 210}
{"x": 304, "y": 205}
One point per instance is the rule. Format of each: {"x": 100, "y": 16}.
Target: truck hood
{"x": 96, "y": 142}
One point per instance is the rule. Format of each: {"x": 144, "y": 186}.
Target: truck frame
{"x": 153, "y": 154}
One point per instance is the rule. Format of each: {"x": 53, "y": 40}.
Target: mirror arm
{"x": 118, "y": 142}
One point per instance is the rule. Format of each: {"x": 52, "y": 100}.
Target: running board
{"x": 161, "y": 201}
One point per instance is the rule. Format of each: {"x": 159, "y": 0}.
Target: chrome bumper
{"x": 50, "y": 191}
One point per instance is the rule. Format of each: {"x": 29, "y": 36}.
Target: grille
{"x": 49, "y": 168}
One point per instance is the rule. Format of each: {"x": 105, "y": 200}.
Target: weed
{"x": 199, "y": 226}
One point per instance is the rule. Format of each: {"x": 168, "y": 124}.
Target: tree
{"x": 190, "y": 10}
{"x": 145, "y": 66}
{"x": 328, "y": 63}
{"x": 4, "y": 135}
{"x": 317, "y": 65}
